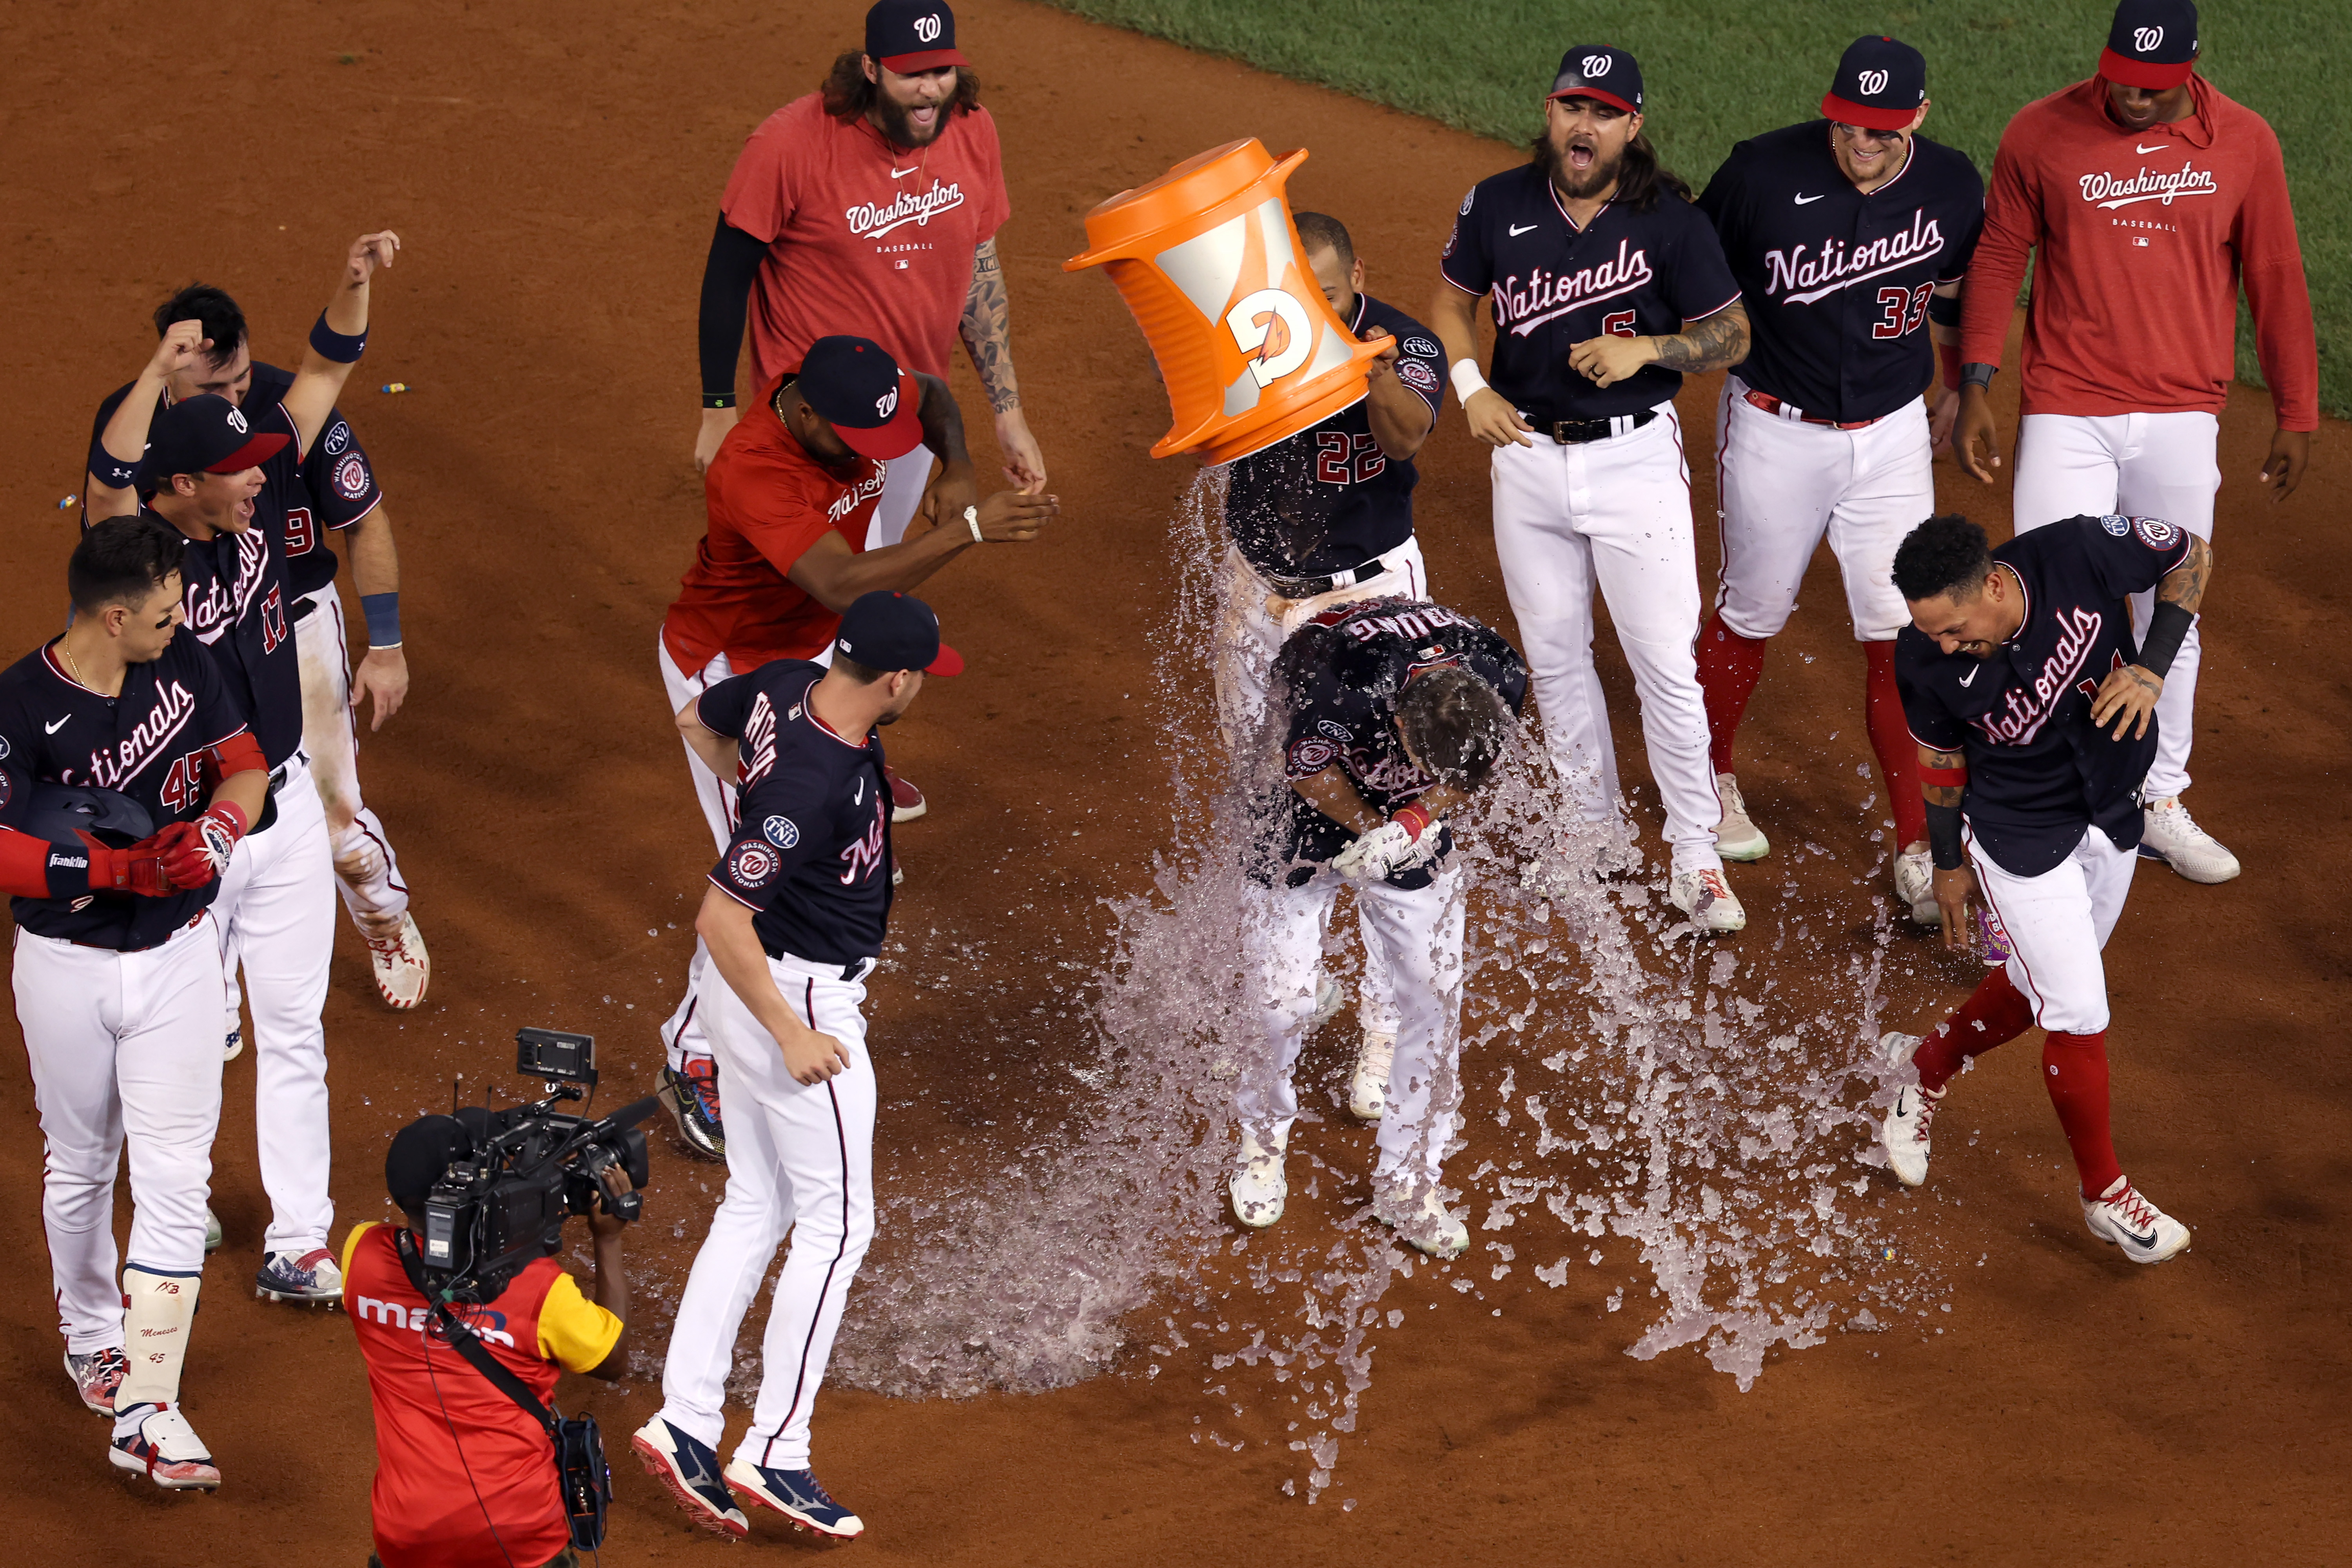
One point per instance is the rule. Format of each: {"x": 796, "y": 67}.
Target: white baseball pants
{"x": 1616, "y": 512}
{"x": 1785, "y": 484}
{"x": 276, "y": 912}
{"x": 800, "y": 1159}
{"x": 2143, "y": 465}
{"x": 906, "y": 479}
{"x": 125, "y": 1048}
{"x": 1420, "y": 934}
{"x": 365, "y": 867}
{"x": 2058, "y": 923}
{"x": 683, "y": 1034}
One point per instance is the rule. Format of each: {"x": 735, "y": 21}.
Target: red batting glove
{"x": 193, "y": 853}
{"x": 138, "y": 869}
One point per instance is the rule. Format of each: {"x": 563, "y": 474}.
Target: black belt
{"x": 778, "y": 949}
{"x": 1576, "y": 432}
{"x": 1316, "y": 587}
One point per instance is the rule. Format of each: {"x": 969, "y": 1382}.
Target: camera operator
{"x": 464, "y": 1475}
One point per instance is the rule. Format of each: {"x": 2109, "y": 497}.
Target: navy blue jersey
{"x": 1328, "y": 499}
{"x": 1340, "y": 674}
{"x": 811, "y": 854}
{"x": 2039, "y": 770}
{"x": 1836, "y": 282}
{"x": 147, "y": 743}
{"x": 334, "y": 484}
{"x": 1553, "y": 285}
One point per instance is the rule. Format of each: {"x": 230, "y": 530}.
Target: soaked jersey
{"x": 148, "y": 743}
{"x": 1836, "y": 282}
{"x": 811, "y": 854}
{"x": 1553, "y": 285}
{"x": 2039, "y": 770}
{"x": 1341, "y": 673}
{"x": 1328, "y": 499}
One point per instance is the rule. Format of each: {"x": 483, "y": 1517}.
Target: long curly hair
{"x": 847, "y": 93}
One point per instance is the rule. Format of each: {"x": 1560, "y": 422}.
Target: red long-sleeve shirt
{"x": 2144, "y": 238}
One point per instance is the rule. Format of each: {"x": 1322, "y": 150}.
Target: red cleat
{"x": 907, "y": 802}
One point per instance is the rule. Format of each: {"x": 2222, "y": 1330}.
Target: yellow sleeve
{"x": 573, "y": 1331}
{"x": 351, "y": 1243}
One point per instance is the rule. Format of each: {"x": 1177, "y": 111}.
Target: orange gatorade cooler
{"x": 1208, "y": 261}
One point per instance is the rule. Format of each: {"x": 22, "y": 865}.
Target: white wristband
{"x": 1467, "y": 379}
{"x": 972, "y": 520}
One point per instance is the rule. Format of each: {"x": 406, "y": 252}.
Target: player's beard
{"x": 1575, "y": 186}
{"x": 898, "y": 124}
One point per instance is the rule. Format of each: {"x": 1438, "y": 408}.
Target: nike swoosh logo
{"x": 2159, "y": 147}
{"x": 1808, "y": 201}
{"x": 902, "y": 174}
{"x": 53, "y": 729}
{"x": 1969, "y": 678}
{"x": 859, "y": 798}
{"x": 1520, "y": 228}
{"x": 2137, "y": 1239}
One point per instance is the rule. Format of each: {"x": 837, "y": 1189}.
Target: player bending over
{"x": 1398, "y": 710}
{"x": 2036, "y": 719}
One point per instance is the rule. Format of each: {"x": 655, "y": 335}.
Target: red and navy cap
{"x": 1880, "y": 84}
{"x": 861, "y": 392}
{"x": 1597, "y": 70}
{"x": 2152, "y": 46}
{"x": 206, "y": 435}
{"x": 910, "y": 36}
{"x": 889, "y": 631}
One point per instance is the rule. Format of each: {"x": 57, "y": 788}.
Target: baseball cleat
{"x": 1708, "y": 900}
{"x": 1904, "y": 1130}
{"x": 1258, "y": 1189}
{"x": 1422, "y": 1223}
{"x": 691, "y": 1472}
{"x": 2145, "y": 1232}
{"x": 212, "y": 1236}
{"x": 907, "y": 802}
{"x": 234, "y": 1046}
{"x": 798, "y": 1496}
{"x": 96, "y": 1376}
{"x": 691, "y": 1098}
{"x": 1737, "y": 837}
{"x": 2167, "y": 833}
{"x": 403, "y": 968}
{"x": 1329, "y": 997}
{"x": 1914, "y": 888}
{"x": 156, "y": 1440}
{"x": 311, "y": 1278}
{"x": 1368, "y": 1091}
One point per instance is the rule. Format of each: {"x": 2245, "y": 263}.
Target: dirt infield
{"x": 553, "y": 172}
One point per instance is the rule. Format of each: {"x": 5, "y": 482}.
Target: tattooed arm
{"x": 2129, "y": 694}
{"x": 1943, "y": 783}
{"x": 1708, "y": 344}
{"x": 984, "y": 328}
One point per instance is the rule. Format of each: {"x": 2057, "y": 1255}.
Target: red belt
{"x": 1772, "y": 404}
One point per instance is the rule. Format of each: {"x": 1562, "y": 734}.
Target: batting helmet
{"x": 57, "y": 812}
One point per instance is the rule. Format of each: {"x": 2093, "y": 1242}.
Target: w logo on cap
{"x": 236, "y": 422}
{"x": 1874, "y": 82}
{"x": 888, "y": 404}
{"x": 2145, "y": 39}
{"x": 1597, "y": 65}
{"x": 927, "y": 27}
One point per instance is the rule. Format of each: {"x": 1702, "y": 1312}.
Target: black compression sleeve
{"x": 1944, "y": 836}
{"x": 2166, "y": 627}
{"x": 726, "y": 292}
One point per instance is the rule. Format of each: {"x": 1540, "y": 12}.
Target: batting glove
{"x": 1400, "y": 844}
{"x": 138, "y": 869}
{"x": 196, "y": 852}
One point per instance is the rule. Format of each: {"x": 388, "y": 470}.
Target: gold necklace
{"x": 75, "y": 664}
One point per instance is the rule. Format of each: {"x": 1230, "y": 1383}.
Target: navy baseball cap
{"x": 884, "y": 630}
{"x": 1597, "y": 70}
{"x": 206, "y": 435}
{"x": 1880, "y": 84}
{"x": 910, "y": 36}
{"x": 2152, "y": 46}
{"x": 861, "y": 392}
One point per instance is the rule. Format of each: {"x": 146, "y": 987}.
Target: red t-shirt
{"x": 426, "y": 1482}
{"x": 2143, "y": 238}
{"x": 768, "y": 501}
{"x": 862, "y": 237}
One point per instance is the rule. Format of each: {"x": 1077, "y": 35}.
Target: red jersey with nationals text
{"x": 863, "y": 237}
{"x": 2144, "y": 238}
{"x": 767, "y": 501}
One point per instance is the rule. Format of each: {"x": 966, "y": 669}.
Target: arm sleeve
{"x": 2269, "y": 261}
{"x": 574, "y": 1332}
{"x": 1718, "y": 198}
{"x": 1325, "y": 714}
{"x": 996, "y": 203}
{"x": 776, "y": 821}
{"x": 219, "y": 712}
{"x": 2134, "y": 560}
{"x": 1930, "y": 722}
{"x": 338, "y": 477}
{"x": 1465, "y": 262}
{"x": 2012, "y": 228}
{"x": 352, "y": 1244}
{"x": 1702, "y": 284}
{"x": 721, "y": 709}
{"x": 1423, "y": 373}
{"x": 1962, "y": 254}
{"x": 726, "y": 276}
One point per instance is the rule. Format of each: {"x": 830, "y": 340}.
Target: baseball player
{"x": 794, "y": 916}
{"x": 1848, "y": 235}
{"x": 119, "y": 724}
{"x": 790, "y": 498}
{"x": 338, "y": 493}
{"x": 1325, "y": 518}
{"x": 2037, "y": 717}
{"x": 225, "y": 480}
{"x": 2146, "y": 197}
{"x": 1394, "y": 713}
{"x": 1606, "y": 285}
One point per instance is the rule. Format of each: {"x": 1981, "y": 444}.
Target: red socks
{"x": 1995, "y": 1013}
{"x": 1890, "y": 737}
{"x": 2075, "y": 1071}
{"x": 1729, "y": 666}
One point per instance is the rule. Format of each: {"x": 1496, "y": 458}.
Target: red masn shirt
{"x": 2144, "y": 238}
{"x": 767, "y": 501}
{"x": 862, "y": 237}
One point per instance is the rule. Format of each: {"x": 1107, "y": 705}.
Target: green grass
{"x": 1716, "y": 71}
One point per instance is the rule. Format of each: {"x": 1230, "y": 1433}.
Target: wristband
{"x": 1944, "y": 309}
{"x": 1978, "y": 373}
{"x": 2166, "y": 628}
{"x": 382, "y": 613}
{"x": 1945, "y": 778}
{"x": 330, "y": 344}
{"x": 1413, "y": 819}
{"x": 1949, "y": 355}
{"x": 1467, "y": 379}
{"x": 972, "y": 520}
{"x": 1944, "y": 836}
{"x": 112, "y": 471}
{"x": 718, "y": 400}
